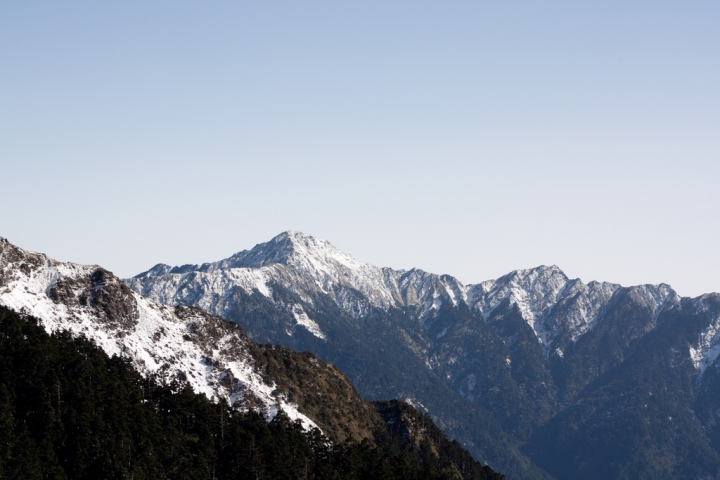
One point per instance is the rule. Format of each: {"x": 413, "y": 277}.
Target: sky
{"x": 467, "y": 137}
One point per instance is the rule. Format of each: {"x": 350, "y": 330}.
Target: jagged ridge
{"x": 550, "y": 302}
{"x": 529, "y": 348}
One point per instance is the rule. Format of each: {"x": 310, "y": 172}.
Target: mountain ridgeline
{"x": 126, "y": 387}
{"x": 537, "y": 374}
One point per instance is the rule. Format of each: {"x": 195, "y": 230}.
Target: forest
{"x": 68, "y": 411}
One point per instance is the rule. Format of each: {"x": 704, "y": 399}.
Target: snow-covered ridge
{"x": 551, "y": 303}
{"x": 305, "y": 265}
{"x": 183, "y": 342}
{"x": 707, "y": 349}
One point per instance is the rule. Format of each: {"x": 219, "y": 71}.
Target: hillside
{"x": 67, "y": 410}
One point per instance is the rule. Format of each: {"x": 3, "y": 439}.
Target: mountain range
{"x": 212, "y": 356}
{"x": 535, "y": 373}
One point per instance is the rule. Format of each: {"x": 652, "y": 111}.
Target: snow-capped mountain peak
{"x": 295, "y": 248}
{"x": 549, "y": 302}
{"x": 533, "y": 290}
{"x": 156, "y": 271}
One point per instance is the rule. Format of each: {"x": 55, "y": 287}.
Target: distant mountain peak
{"x": 291, "y": 247}
{"x": 156, "y": 271}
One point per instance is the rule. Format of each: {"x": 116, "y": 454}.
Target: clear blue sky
{"x": 469, "y": 138}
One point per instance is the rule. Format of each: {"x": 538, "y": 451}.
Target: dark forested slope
{"x": 68, "y": 411}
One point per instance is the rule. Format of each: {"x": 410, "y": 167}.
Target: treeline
{"x": 68, "y": 411}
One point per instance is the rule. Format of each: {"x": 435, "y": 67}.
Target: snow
{"x": 306, "y": 266}
{"x": 156, "y": 339}
{"x": 548, "y": 301}
{"x": 707, "y": 349}
{"x": 437, "y": 303}
{"x": 305, "y": 321}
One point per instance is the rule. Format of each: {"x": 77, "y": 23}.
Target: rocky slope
{"x": 517, "y": 354}
{"x": 212, "y": 355}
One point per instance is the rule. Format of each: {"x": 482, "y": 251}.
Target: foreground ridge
{"x": 173, "y": 342}
{"x": 67, "y": 410}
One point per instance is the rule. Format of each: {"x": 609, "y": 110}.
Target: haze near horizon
{"x": 467, "y": 138}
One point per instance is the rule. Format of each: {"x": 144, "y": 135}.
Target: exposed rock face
{"x": 110, "y": 300}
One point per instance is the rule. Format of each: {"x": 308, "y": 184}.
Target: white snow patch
{"x": 437, "y": 303}
{"x": 302, "y": 319}
{"x": 707, "y": 350}
{"x": 416, "y": 404}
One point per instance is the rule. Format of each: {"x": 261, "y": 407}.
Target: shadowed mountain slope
{"x": 533, "y": 358}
